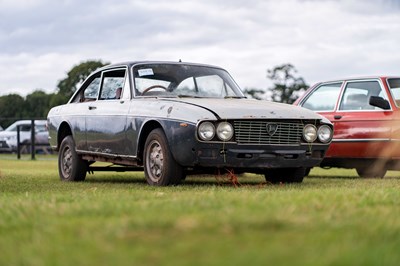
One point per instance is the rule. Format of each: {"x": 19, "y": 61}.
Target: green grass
{"x": 332, "y": 218}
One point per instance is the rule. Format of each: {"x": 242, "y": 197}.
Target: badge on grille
{"x": 271, "y": 128}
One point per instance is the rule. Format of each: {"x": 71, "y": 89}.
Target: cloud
{"x": 41, "y": 39}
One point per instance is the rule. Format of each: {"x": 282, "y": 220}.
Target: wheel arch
{"x": 145, "y": 131}
{"x": 63, "y": 131}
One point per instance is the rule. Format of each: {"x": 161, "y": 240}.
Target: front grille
{"x": 256, "y": 132}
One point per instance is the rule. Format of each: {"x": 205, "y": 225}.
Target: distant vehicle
{"x": 176, "y": 119}
{"x": 366, "y": 117}
{"x": 8, "y": 137}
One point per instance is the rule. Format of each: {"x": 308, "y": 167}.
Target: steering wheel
{"x": 154, "y": 87}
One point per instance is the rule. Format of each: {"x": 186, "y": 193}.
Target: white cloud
{"x": 43, "y": 39}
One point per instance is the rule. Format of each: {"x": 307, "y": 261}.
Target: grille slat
{"x": 255, "y": 132}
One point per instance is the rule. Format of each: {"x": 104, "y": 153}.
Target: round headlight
{"x": 206, "y": 131}
{"x": 224, "y": 131}
{"x": 324, "y": 133}
{"x": 310, "y": 133}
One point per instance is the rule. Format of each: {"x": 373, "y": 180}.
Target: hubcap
{"x": 67, "y": 163}
{"x": 155, "y": 161}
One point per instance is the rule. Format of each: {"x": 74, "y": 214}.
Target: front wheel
{"x": 285, "y": 175}
{"x": 160, "y": 167}
{"x": 70, "y": 166}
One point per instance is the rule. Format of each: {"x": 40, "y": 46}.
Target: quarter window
{"x": 323, "y": 98}
{"x": 394, "y": 85}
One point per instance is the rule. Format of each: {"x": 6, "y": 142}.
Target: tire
{"x": 307, "y": 171}
{"x": 369, "y": 172}
{"x": 285, "y": 175}
{"x": 160, "y": 167}
{"x": 70, "y": 166}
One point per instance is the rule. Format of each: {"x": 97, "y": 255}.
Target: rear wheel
{"x": 371, "y": 172}
{"x": 285, "y": 175}
{"x": 160, "y": 167}
{"x": 70, "y": 165}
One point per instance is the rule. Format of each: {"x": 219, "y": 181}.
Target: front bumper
{"x": 5, "y": 147}
{"x": 254, "y": 158}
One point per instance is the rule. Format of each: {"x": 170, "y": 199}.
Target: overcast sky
{"x": 41, "y": 40}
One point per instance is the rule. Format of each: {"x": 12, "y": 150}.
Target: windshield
{"x": 180, "y": 80}
{"x": 25, "y": 127}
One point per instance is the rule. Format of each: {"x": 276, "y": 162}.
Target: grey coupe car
{"x": 173, "y": 119}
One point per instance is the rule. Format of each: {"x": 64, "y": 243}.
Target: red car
{"x": 366, "y": 117}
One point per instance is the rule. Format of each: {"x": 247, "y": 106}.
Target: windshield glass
{"x": 180, "y": 80}
{"x": 25, "y": 127}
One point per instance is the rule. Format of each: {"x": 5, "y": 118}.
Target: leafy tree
{"x": 67, "y": 86}
{"x": 57, "y": 99}
{"x": 11, "y": 109}
{"x": 287, "y": 85}
{"x": 37, "y": 104}
{"x": 254, "y": 93}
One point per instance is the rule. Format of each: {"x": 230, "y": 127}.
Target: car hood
{"x": 247, "y": 108}
{"x": 7, "y": 134}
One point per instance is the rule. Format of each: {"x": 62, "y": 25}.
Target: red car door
{"x": 361, "y": 130}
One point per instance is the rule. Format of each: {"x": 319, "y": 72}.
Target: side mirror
{"x": 379, "y": 102}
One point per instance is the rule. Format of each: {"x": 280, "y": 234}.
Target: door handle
{"x": 92, "y": 107}
{"x": 337, "y": 117}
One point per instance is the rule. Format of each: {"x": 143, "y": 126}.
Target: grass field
{"x": 332, "y": 218}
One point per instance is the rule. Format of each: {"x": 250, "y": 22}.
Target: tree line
{"x": 287, "y": 86}
{"x": 37, "y": 104}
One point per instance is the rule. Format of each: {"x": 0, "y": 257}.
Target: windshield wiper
{"x": 188, "y": 96}
{"x": 234, "y": 97}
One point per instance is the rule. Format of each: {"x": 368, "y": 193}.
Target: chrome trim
{"x": 255, "y": 132}
{"x": 106, "y": 155}
{"x": 362, "y": 140}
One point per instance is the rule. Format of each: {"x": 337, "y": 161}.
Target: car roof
{"x": 358, "y": 78}
{"x": 132, "y": 63}
{"x": 37, "y": 122}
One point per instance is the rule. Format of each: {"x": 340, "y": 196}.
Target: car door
{"x": 393, "y": 85}
{"x": 361, "y": 130}
{"x": 79, "y": 108}
{"x": 106, "y": 117}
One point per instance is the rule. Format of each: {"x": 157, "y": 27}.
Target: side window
{"x": 89, "y": 90}
{"x": 394, "y": 85}
{"x": 25, "y": 127}
{"x": 356, "y": 95}
{"x": 92, "y": 90}
{"x": 113, "y": 82}
{"x": 323, "y": 98}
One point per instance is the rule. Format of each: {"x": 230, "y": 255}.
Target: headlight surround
{"x": 324, "y": 133}
{"x": 224, "y": 131}
{"x": 206, "y": 131}
{"x": 310, "y": 133}
{"x": 11, "y": 138}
